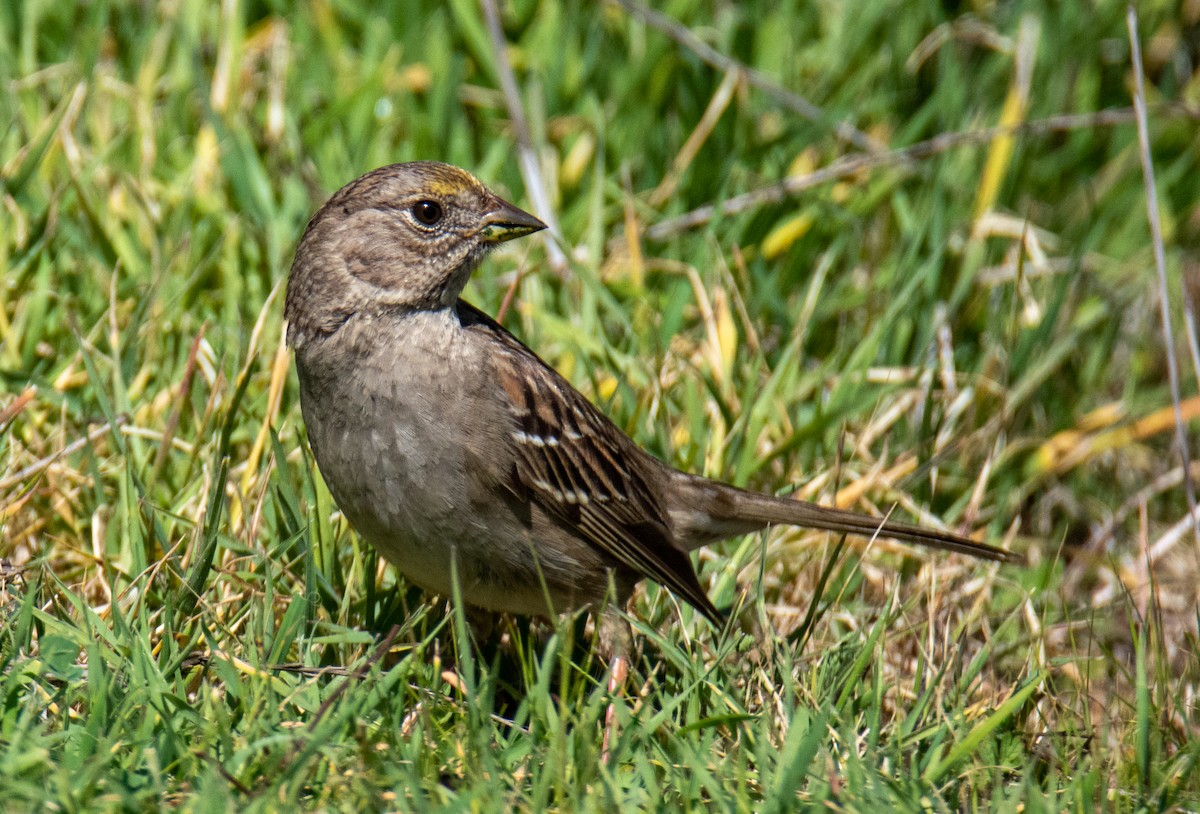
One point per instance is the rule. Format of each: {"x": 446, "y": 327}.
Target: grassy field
{"x": 950, "y": 310}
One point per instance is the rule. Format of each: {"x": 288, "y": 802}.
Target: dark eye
{"x": 427, "y": 212}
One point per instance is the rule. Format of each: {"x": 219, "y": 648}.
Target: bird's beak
{"x": 506, "y": 222}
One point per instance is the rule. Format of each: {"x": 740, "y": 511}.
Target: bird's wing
{"x": 579, "y": 467}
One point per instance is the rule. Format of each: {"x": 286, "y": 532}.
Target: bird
{"x": 459, "y": 454}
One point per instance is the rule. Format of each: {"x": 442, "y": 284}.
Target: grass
{"x": 968, "y": 333}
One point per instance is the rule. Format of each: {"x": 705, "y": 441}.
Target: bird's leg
{"x": 480, "y": 623}
{"x": 615, "y": 638}
{"x": 481, "y": 627}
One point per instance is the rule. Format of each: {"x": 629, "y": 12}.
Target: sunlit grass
{"x": 967, "y": 336}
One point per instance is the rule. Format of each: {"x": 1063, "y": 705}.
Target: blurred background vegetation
{"x": 888, "y": 255}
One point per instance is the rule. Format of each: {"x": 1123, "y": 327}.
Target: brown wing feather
{"x": 582, "y": 469}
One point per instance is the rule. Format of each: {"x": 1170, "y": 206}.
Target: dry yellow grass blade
{"x": 225, "y": 79}
{"x": 687, "y": 154}
{"x": 1071, "y": 448}
{"x": 1016, "y": 105}
{"x": 781, "y": 238}
{"x": 635, "y": 264}
{"x": 268, "y": 43}
{"x": 727, "y": 333}
{"x": 849, "y": 495}
{"x": 721, "y": 337}
{"x": 606, "y": 386}
{"x": 280, "y": 365}
{"x": 279, "y": 368}
{"x": 577, "y": 160}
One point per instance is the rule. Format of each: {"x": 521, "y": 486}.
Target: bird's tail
{"x": 712, "y": 511}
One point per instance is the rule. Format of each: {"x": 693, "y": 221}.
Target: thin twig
{"x": 358, "y": 674}
{"x": 364, "y": 668}
{"x": 526, "y": 154}
{"x": 853, "y": 164}
{"x": 714, "y": 58}
{"x": 691, "y": 148}
{"x": 37, "y": 466}
{"x": 1160, "y": 263}
{"x": 510, "y": 293}
{"x": 1190, "y": 328}
{"x": 245, "y": 790}
{"x": 1097, "y": 542}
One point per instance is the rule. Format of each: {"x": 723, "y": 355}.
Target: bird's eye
{"x": 427, "y": 212}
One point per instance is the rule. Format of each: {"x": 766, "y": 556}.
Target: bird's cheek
{"x": 360, "y": 266}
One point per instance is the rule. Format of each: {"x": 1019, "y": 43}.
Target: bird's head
{"x": 402, "y": 236}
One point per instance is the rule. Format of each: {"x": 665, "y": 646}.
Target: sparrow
{"x": 458, "y": 453}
